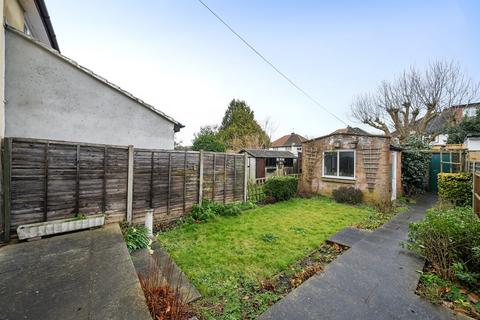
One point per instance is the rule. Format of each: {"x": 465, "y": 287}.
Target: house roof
{"x": 288, "y": 140}
{"x": 353, "y": 131}
{"x": 47, "y": 22}
{"x": 262, "y": 153}
{"x": 472, "y": 135}
{"x": 177, "y": 125}
{"x": 447, "y": 116}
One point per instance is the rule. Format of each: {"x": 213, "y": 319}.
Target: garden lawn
{"x": 223, "y": 255}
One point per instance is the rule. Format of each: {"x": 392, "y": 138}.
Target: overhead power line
{"x": 306, "y": 94}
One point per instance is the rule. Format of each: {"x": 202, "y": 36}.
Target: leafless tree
{"x": 408, "y": 104}
{"x": 269, "y": 127}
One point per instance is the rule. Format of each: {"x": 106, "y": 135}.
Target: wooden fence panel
{"x": 27, "y": 183}
{"x": 476, "y": 193}
{"x": 116, "y": 175}
{"x": 54, "y": 180}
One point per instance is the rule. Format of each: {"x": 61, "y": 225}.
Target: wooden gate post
{"x": 200, "y": 178}
{"x": 245, "y": 178}
{"x": 7, "y": 178}
{"x": 130, "y": 185}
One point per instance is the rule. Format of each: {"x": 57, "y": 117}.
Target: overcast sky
{"x": 175, "y": 55}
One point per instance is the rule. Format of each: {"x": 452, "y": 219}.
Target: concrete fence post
{"x": 200, "y": 178}
{"x": 130, "y": 185}
{"x": 149, "y": 221}
{"x": 245, "y": 178}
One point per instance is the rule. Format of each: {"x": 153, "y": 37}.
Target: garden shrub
{"x": 209, "y": 210}
{"x": 348, "y": 195}
{"x": 446, "y": 238}
{"x": 415, "y": 162}
{"x": 136, "y": 237}
{"x": 281, "y": 188}
{"x": 455, "y": 188}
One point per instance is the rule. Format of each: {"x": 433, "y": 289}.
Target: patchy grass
{"x": 229, "y": 257}
{"x": 378, "y": 217}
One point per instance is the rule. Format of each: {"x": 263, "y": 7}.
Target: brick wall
{"x": 372, "y": 166}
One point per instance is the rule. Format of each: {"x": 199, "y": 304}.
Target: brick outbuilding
{"x": 352, "y": 157}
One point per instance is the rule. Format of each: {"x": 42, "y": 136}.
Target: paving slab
{"x": 374, "y": 279}
{"x": 144, "y": 261}
{"x": 81, "y": 275}
{"x": 348, "y": 236}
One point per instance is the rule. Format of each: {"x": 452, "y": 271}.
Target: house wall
{"x": 292, "y": 149}
{"x": 372, "y": 166}
{"x": 14, "y": 14}
{"x": 49, "y": 98}
{"x": 472, "y": 144}
{"x": 399, "y": 174}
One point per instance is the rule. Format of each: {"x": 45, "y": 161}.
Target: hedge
{"x": 455, "y": 188}
{"x": 281, "y": 188}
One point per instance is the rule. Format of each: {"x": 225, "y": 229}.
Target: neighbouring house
{"x": 449, "y": 116}
{"x": 472, "y": 147}
{"x": 352, "y": 157}
{"x": 49, "y": 96}
{"x": 266, "y": 163}
{"x": 290, "y": 142}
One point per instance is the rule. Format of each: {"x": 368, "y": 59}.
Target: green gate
{"x": 450, "y": 162}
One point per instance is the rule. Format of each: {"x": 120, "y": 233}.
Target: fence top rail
{"x": 61, "y": 142}
{"x": 188, "y": 151}
{"x": 87, "y": 144}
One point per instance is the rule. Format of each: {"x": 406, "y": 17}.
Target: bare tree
{"x": 408, "y": 104}
{"x": 269, "y": 127}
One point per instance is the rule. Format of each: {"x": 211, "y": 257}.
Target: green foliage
{"x": 455, "y": 188}
{"x": 281, "y": 188}
{"x": 298, "y": 230}
{"x": 136, "y": 237}
{"x": 415, "y": 164}
{"x": 465, "y": 277}
{"x": 457, "y": 132}
{"x": 239, "y": 129}
{"x": 209, "y": 210}
{"x": 256, "y": 192}
{"x": 79, "y": 216}
{"x": 448, "y": 237}
{"x": 269, "y": 237}
{"x": 348, "y": 195}
{"x": 208, "y": 139}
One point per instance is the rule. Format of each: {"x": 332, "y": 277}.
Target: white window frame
{"x": 338, "y": 164}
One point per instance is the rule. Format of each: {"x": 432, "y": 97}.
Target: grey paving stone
{"x": 348, "y": 236}
{"x": 82, "y": 275}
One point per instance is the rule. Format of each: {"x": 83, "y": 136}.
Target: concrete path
{"x": 82, "y": 275}
{"x": 349, "y": 236}
{"x": 374, "y": 279}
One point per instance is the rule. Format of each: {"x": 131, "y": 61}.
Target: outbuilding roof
{"x": 177, "y": 125}
{"x": 352, "y": 131}
{"x": 262, "y": 153}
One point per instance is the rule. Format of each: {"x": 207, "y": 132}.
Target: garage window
{"x": 339, "y": 164}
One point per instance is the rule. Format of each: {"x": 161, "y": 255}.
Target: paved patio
{"x": 374, "y": 279}
{"x": 82, "y": 275}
